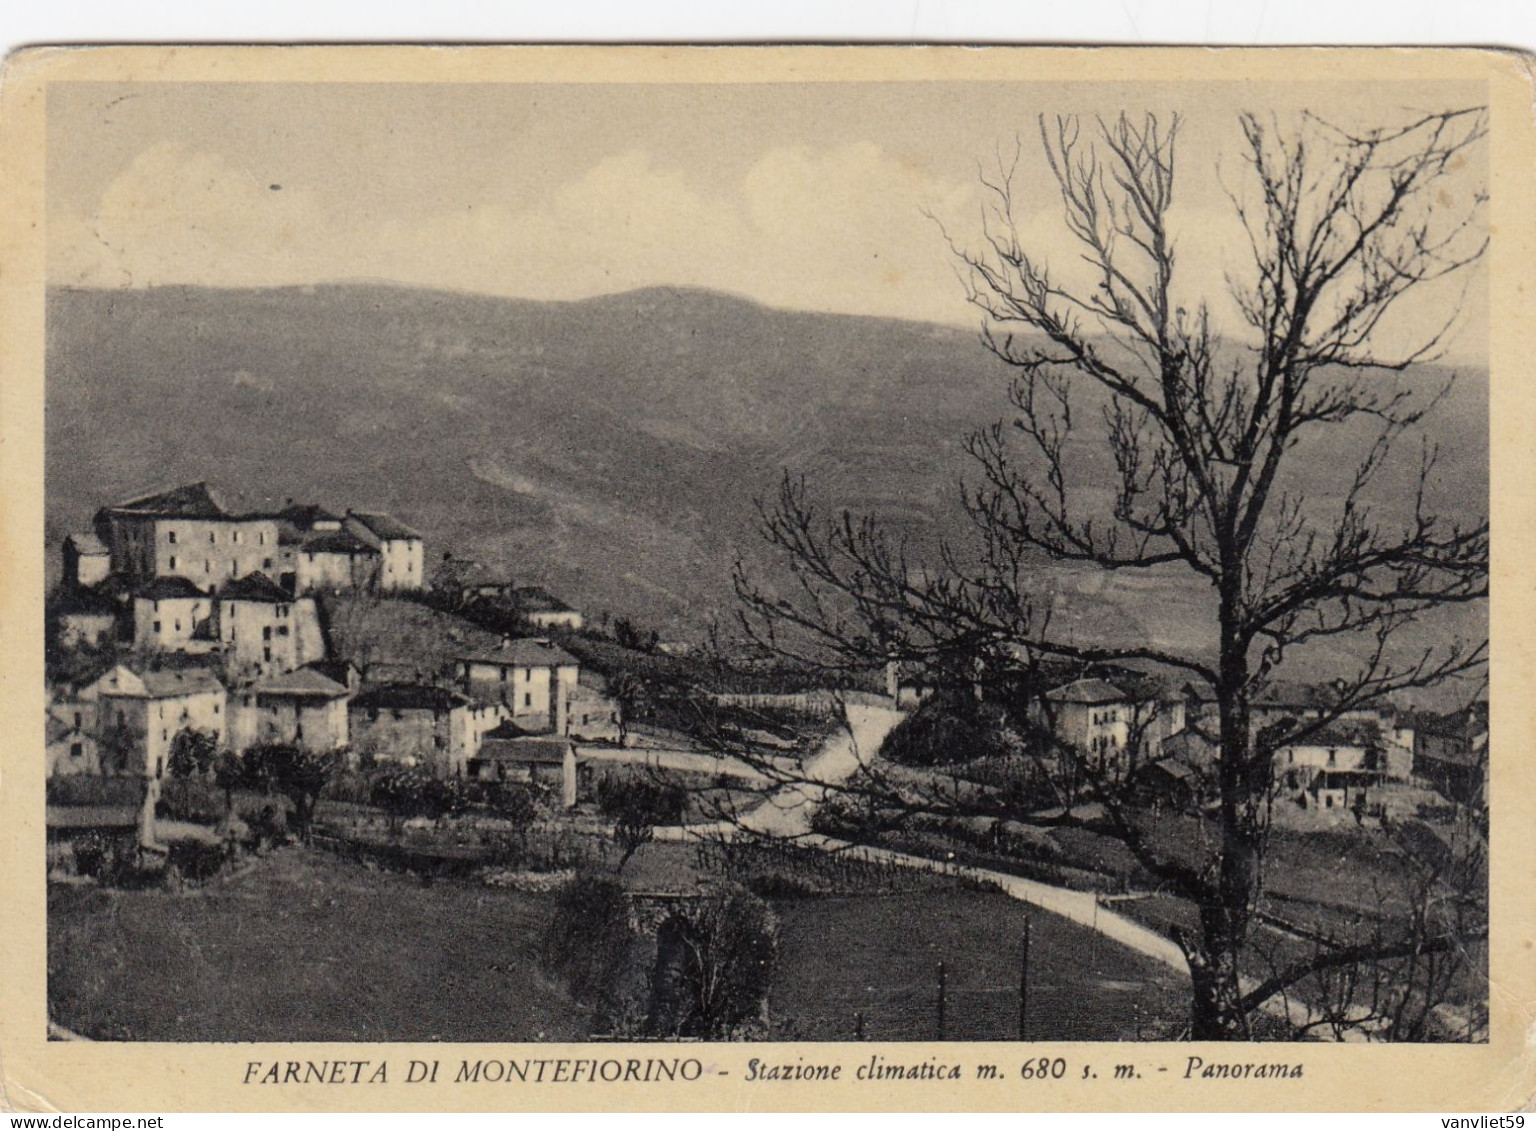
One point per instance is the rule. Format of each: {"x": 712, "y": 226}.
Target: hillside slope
{"x": 610, "y": 448}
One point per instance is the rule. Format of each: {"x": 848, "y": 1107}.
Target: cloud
{"x": 176, "y": 216}
{"x": 839, "y": 228}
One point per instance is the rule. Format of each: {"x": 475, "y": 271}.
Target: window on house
{"x": 76, "y": 750}
{"x": 157, "y": 628}
{"x": 207, "y": 566}
{"x": 503, "y": 675}
{"x": 266, "y": 632}
{"x": 527, "y": 700}
{"x": 261, "y": 539}
{"x": 215, "y": 708}
{"x": 212, "y": 538}
{"x": 440, "y": 742}
{"x": 1333, "y": 757}
{"x": 170, "y": 536}
{"x": 237, "y": 538}
{"x": 266, "y": 563}
{"x": 266, "y": 655}
{"x": 282, "y": 610}
{"x": 173, "y": 561}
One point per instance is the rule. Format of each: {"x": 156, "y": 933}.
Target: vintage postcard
{"x": 775, "y": 578}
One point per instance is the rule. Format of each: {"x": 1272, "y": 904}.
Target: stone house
{"x": 72, "y": 749}
{"x": 510, "y": 753}
{"x": 336, "y": 560}
{"x": 171, "y": 614}
{"x": 411, "y": 724}
{"x": 144, "y": 711}
{"x": 300, "y": 708}
{"x": 531, "y": 675}
{"x": 1116, "y": 726}
{"x": 86, "y": 616}
{"x": 1333, "y": 765}
{"x": 186, "y": 532}
{"x": 264, "y": 629}
{"x": 402, "y": 552}
{"x": 86, "y": 560}
{"x": 543, "y": 610}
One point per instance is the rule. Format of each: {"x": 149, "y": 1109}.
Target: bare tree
{"x": 1202, "y": 426}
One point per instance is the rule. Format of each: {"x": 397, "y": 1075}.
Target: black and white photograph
{"x": 826, "y": 559}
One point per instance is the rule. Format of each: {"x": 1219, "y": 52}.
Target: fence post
{"x": 1024, "y": 981}
{"x": 941, "y": 1000}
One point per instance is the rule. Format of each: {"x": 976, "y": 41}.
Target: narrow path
{"x": 787, "y": 814}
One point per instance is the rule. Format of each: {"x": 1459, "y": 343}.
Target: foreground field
{"x": 308, "y": 947}
{"x": 304, "y": 947}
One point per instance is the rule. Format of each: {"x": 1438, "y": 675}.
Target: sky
{"x": 815, "y": 196}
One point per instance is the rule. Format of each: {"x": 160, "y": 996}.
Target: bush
{"x": 196, "y": 860}
{"x": 93, "y": 854}
{"x": 589, "y": 943}
{"x": 951, "y": 727}
{"x": 639, "y": 798}
{"x": 714, "y": 966}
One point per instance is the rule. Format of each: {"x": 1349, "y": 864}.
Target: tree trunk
{"x": 1216, "y": 1011}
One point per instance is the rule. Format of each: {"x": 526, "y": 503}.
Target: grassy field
{"x": 304, "y": 946}
{"x": 879, "y": 956}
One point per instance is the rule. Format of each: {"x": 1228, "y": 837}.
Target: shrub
{"x": 589, "y": 942}
{"x": 951, "y": 727}
{"x": 714, "y": 966}
{"x": 93, "y": 854}
{"x": 196, "y": 860}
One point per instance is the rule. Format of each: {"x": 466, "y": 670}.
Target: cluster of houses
{"x": 218, "y": 613}
{"x": 1159, "y": 737}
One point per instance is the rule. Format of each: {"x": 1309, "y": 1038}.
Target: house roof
{"x": 527, "y": 652}
{"x": 191, "y": 500}
{"x": 169, "y": 589}
{"x": 93, "y": 817}
{"x": 169, "y": 683}
{"x": 507, "y": 730}
{"x": 1090, "y": 691}
{"x": 305, "y": 683}
{"x": 172, "y": 683}
{"x": 526, "y": 750}
{"x": 87, "y": 544}
{"x": 1175, "y": 768}
{"x": 409, "y": 697}
{"x": 84, "y": 602}
{"x": 255, "y": 587}
{"x": 384, "y": 526}
{"x": 537, "y": 599}
{"x": 1341, "y": 732}
{"x": 337, "y": 542}
{"x": 464, "y": 571}
{"x": 337, "y": 671}
{"x": 56, "y": 730}
{"x": 305, "y": 515}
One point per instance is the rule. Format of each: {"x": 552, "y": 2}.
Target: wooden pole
{"x": 1024, "y": 981}
{"x": 858, "y": 1026}
{"x": 941, "y": 1000}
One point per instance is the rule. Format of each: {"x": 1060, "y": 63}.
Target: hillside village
{"x": 323, "y": 646}
{"x": 213, "y": 625}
